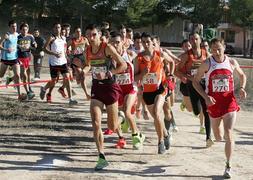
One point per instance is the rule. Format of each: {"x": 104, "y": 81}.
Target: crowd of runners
{"x": 132, "y": 76}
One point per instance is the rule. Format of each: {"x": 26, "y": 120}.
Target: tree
{"x": 241, "y": 13}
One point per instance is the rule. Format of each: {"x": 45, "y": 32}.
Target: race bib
{"x": 97, "y": 70}
{"x": 150, "y": 78}
{"x": 220, "y": 85}
{"x": 194, "y": 72}
{"x": 79, "y": 50}
{"x": 123, "y": 79}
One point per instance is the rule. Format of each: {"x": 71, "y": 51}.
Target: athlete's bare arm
{"x": 196, "y": 83}
{"x": 173, "y": 56}
{"x": 180, "y": 65}
{"x": 47, "y": 47}
{"x": 137, "y": 74}
{"x": 168, "y": 60}
{"x": 121, "y": 65}
{"x": 242, "y": 77}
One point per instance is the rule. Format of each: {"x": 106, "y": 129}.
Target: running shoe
{"x": 209, "y": 143}
{"x": 73, "y": 102}
{"x": 30, "y": 95}
{"x": 36, "y": 79}
{"x": 49, "y": 98}
{"x": 121, "y": 143}
{"x": 202, "y": 130}
{"x": 167, "y": 142}
{"x": 101, "y": 164}
{"x": 42, "y": 93}
{"x": 138, "y": 141}
{"x": 182, "y": 106}
{"x": 108, "y": 132}
{"x": 161, "y": 148}
{"x": 227, "y": 172}
{"x": 61, "y": 91}
{"x": 22, "y": 97}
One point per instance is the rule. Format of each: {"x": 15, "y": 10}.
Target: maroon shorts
{"x": 106, "y": 93}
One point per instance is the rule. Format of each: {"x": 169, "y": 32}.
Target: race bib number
{"x": 220, "y": 85}
{"x": 96, "y": 70}
{"x": 79, "y": 50}
{"x": 150, "y": 78}
{"x": 194, "y": 72}
{"x": 123, "y": 79}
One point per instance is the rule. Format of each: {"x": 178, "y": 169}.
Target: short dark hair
{"x": 137, "y": 35}
{"x": 36, "y": 29}
{"x": 122, "y": 26}
{"x": 23, "y": 25}
{"x": 155, "y": 37}
{"x": 184, "y": 41}
{"x": 145, "y": 35}
{"x": 66, "y": 25}
{"x": 91, "y": 27}
{"x": 217, "y": 40}
{"x": 11, "y": 22}
{"x": 128, "y": 30}
{"x": 115, "y": 34}
{"x": 77, "y": 27}
{"x": 56, "y": 23}
{"x": 105, "y": 32}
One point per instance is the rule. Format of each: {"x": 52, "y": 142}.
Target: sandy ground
{"x": 54, "y": 141}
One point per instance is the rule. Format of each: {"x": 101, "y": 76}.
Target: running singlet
{"x": 58, "y": 45}
{"x": 100, "y": 63}
{"x": 10, "y": 42}
{"x": 24, "y": 45}
{"x": 152, "y": 80}
{"x": 194, "y": 62}
{"x": 78, "y": 45}
{"x": 220, "y": 85}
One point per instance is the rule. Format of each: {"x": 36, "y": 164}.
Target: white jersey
{"x": 58, "y": 46}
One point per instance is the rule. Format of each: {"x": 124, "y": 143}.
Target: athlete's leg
{"x": 16, "y": 70}
{"x": 128, "y": 104}
{"x": 215, "y": 122}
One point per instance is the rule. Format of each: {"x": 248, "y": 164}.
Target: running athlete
{"x": 133, "y": 52}
{"x": 191, "y": 60}
{"x": 219, "y": 96}
{"x": 25, "y": 43}
{"x": 9, "y": 54}
{"x": 149, "y": 70}
{"x": 104, "y": 62}
{"x": 56, "y": 48}
{"x": 78, "y": 46}
{"x": 129, "y": 94}
{"x": 127, "y": 43}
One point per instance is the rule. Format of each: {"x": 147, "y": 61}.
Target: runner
{"x": 102, "y": 58}
{"x": 136, "y": 49}
{"x": 25, "y": 43}
{"x": 127, "y": 101}
{"x": 149, "y": 70}
{"x": 186, "y": 69}
{"x": 38, "y": 53}
{"x": 10, "y": 56}
{"x": 219, "y": 95}
{"x": 126, "y": 41}
{"x": 56, "y": 48}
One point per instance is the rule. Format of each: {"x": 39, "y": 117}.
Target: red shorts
{"x": 125, "y": 92}
{"x": 25, "y": 62}
{"x": 106, "y": 93}
{"x": 222, "y": 107}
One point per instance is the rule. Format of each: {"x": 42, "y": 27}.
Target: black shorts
{"x": 63, "y": 69}
{"x": 184, "y": 89}
{"x": 10, "y": 62}
{"x": 149, "y": 97}
{"x": 79, "y": 57}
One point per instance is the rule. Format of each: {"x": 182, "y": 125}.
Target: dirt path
{"x": 54, "y": 141}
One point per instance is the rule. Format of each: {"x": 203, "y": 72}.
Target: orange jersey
{"x": 156, "y": 75}
{"x": 194, "y": 62}
{"x": 78, "y": 45}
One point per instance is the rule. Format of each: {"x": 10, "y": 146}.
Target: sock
{"x": 167, "y": 124}
{"x": 135, "y": 134}
{"x": 101, "y": 156}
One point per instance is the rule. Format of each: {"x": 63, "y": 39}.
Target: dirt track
{"x": 54, "y": 141}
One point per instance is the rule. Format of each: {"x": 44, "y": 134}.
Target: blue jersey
{"x": 24, "y": 45}
{"x": 10, "y": 42}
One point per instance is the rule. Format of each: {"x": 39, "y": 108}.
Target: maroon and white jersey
{"x": 220, "y": 85}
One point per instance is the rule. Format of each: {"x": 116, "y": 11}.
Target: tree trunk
{"x": 244, "y": 42}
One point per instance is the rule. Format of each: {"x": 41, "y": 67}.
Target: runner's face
{"x": 123, "y": 32}
{"x": 195, "y": 40}
{"x": 93, "y": 35}
{"x": 24, "y": 30}
{"x": 186, "y": 46}
{"x": 137, "y": 44}
{"x": 147, "y": 43}
{"x": 129, "y": 35}
{"x": 156, "y": 43}
{"x": 117, "y": 43}
{"x": 36, "y": 33}
{"x": 57, "y": 29}
{"x": 217, "y": 49}
{"x": 78, "y": 32}
{"x": 13, "y": 27}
